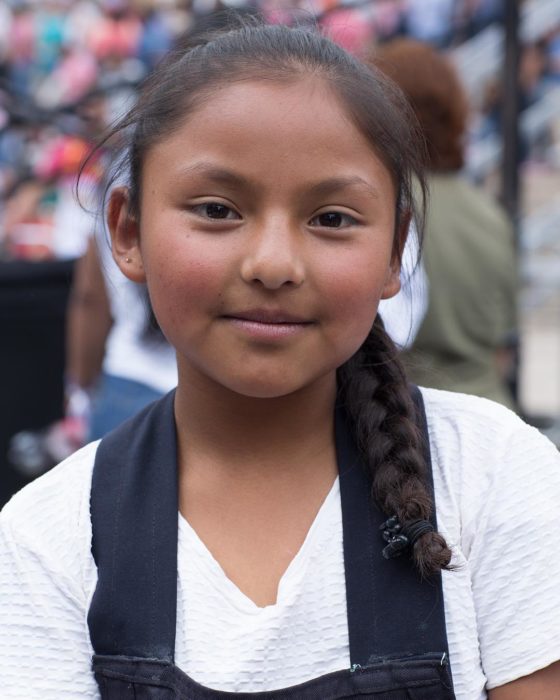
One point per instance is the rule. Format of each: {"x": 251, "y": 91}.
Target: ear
{"x": 125, "y": 235}
{"x": 393, "y": 282}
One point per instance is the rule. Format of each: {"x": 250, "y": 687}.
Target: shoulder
{"x": 482, "y": 435}
{"x": 47, "y": 578}
{"x": 497, "y": 488}
{"x": 49, "y": 519}
{"x": 60, "y": 490}
{"x": 475, "y": 425}
{"x": 484, "y": 457}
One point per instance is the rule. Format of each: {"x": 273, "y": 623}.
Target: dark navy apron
{"x": 396, "y": 622}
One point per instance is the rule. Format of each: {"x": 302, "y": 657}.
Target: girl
{"x": 229, "y": 539}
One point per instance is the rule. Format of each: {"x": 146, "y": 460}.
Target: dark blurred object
{"x": 33, "y": 299}
{"x": 28, "y": 454}
{"x": 33, "y": 452}
{"x": 548, "y": 425}
{"x": 511, "y": 107}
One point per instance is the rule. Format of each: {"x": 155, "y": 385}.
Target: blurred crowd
{"x": 68, "y": 68}
{"x": 539, "y": 73}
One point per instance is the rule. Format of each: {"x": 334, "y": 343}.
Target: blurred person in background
{"x": 464, "y": 343}
{"x": 115, "y": 353}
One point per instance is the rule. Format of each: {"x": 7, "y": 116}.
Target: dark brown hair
{"x": 434, "y": 90}
{"x": 372, "y": 385}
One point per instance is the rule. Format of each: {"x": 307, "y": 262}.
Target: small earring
{"x": 128, "y": 260}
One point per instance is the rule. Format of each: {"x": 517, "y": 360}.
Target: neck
{"x": 246, "y": 433}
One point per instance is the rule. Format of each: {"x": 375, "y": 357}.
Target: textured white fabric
{"x": 234, "y": 645}
{"x": 497, "y": 484}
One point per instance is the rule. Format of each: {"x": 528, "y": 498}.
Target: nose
{"x": 274, "y": 256}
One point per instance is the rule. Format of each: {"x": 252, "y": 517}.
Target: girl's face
{"x": 265, "y": 236}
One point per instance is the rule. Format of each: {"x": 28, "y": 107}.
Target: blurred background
{"x": 68, "y": 69}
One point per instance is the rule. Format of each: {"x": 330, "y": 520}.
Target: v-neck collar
{"x": 327, "y": 518}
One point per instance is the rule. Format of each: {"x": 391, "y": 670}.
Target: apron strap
{"x": 134, "y": 515}
{"x": 391, "y": 611}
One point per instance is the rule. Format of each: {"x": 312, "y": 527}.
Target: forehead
{"x": 269, "y": 127}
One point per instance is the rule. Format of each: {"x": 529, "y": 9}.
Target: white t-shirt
{"x": 497, "y": 487}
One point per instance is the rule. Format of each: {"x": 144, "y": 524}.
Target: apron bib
{"x": 396, "y": 621}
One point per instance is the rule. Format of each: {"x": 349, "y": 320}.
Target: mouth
{"x": 268, "y": 323}
{"x": 268, "y": 316}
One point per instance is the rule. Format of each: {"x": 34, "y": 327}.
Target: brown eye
{"x": 215, "y": 211}
{"x": 333, "y": 219}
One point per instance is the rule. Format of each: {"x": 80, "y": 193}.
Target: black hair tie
{"x": 400, "y": 538}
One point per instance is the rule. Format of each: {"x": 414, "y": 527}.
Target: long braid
{"x": 375, "y": 393}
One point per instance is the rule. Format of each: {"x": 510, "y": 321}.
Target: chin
{"x": 263, "y": 390}
{"x": 275, "y": 386}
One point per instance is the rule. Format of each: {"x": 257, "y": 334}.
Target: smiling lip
{"x": 268, "y": 324}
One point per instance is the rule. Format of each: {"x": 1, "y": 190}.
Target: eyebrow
{"x": 216, "y": 174}
{"x": 320, "y": 189}
{"x": 334, "y": 184}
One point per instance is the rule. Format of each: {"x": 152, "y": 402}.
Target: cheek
{"x": 356, "y": 307}
{"x": 357, "y": 280}
{"x": 183, "y": 279}
{"x": 355, "y": 289}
